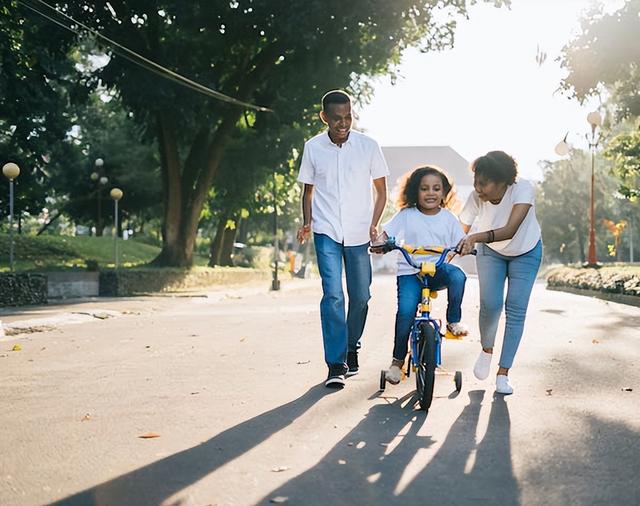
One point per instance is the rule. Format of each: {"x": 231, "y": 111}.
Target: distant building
{"x": 403, "y": 159}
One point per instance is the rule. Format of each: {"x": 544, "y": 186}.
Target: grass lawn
{"x": 50, "y": 252}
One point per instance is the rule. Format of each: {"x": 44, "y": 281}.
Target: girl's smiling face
{"x": 430, "y": 194}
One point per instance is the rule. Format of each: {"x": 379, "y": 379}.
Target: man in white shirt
{"x": 337, "y": 169}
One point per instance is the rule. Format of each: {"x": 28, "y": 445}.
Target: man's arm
{"x": 380, "y": 186}
{"x": 307, "y": 197}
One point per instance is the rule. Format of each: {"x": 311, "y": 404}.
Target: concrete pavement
{"x": 230, "y": 383}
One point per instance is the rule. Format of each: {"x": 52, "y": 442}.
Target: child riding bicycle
{"x": 424, "y": 219}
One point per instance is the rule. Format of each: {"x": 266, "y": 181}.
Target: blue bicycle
{"x": 425, "y": 336}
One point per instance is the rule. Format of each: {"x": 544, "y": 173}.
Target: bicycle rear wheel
{"x": 426, "y": 365}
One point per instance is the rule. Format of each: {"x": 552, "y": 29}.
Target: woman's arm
{"x": 517, "y": 216}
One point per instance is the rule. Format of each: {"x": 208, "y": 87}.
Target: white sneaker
{"x": 502, "y": 385}
{"x": 483, "y": 364}
{"x": 394, "y": 374}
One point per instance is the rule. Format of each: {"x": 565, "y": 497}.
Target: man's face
{"x": 338, "y": 118}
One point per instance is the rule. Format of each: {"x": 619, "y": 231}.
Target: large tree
{"x": 279, "y": 54}
{"x": 607, "y": 53}
{"x": 38, "y": 84}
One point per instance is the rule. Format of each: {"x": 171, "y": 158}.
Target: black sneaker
{"x": 336, "y": 376}
{"x": 352, "y": 363}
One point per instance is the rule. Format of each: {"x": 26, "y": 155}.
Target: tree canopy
{"x": 607, "y": 53}
{"x": 280, "y": 54}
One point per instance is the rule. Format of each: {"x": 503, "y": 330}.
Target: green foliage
{"x": 563, "y": 203}
{"x": 58, "y": 252}
{"x": 607, "y": 52}
{"x": 105, "y": 130}
{"x": 38, "y": 84}
{"x": 624, "y": 151}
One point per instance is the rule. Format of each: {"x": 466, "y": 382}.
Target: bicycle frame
{"x": 427, "y": 271}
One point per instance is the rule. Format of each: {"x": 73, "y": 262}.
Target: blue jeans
{"x": 410, "y": 293}
{"x": 493, "y": 270}
{"x": 339, "y": 333}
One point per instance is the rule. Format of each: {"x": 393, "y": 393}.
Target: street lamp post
{"x": 562, "y": 148}
{"x": 275, "y": 284}
{"x": 595, "y": 120}
{"x": 101, "y": 180}
{"x": 11, "y": 171}
{"x": 116, "y": 195}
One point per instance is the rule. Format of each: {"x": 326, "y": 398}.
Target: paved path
{"x": 231, "y": 384}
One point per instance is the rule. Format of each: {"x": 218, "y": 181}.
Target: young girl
{"x": 509, "y": 248}
{"x": 423, "y": 220}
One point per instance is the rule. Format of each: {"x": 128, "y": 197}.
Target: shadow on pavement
{"x": 154, "y": 483}
{"x": 374, "y": 472}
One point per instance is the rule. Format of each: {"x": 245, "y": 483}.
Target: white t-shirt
{"x": 492, "y": 216}
{"x": 342, "y": 205}
{"x": 419, "y": 229}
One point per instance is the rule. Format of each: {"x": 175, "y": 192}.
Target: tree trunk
{"x": 226, "y": 252}
{"x": 186, "y": 188}
{"x": 216, "y": 244}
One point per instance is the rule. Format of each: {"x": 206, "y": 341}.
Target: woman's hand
{"x": 467, "y": 244}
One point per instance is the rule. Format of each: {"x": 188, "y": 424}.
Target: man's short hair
{"x": 335, "y": 97}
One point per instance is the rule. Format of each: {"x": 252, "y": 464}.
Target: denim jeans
{"x": 410, "y": 293}
{"x": 493, "y": 270}
{"x": 339, "y": 333}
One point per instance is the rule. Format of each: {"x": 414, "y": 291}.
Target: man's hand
{"x": 373, "y": 233}
{"x": 303, "y": 233}
{"x": 378, "y": 243}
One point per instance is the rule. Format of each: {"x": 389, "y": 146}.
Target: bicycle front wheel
{"x": 426, "y": 366}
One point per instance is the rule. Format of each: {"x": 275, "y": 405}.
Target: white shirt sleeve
{"x": 524, "y": 192}
{"x": 378, "y": 163}
{"x": 470, "y": 209}
{"x": 395, "y": 226}
{"x": 307, "y": 170}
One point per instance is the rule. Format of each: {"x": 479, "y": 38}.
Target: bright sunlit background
{"x": 492, "y": 91}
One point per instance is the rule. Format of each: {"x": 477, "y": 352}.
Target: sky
{"x": 488, "y": 92}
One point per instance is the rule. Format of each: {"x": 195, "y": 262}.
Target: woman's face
{"x": 430, "y": 194}
{"x": 488, "y": 190}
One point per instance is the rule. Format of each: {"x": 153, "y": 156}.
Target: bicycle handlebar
{"x": 408, "y": 251}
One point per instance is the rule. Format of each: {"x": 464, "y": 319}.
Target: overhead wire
{"x": 140, "y": 60}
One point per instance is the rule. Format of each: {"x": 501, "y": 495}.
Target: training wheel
{"x": 383, "y": 379}
{"x": 458, "y": 380}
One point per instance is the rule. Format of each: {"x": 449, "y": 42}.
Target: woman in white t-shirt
{"x": 509, "y": 248}
{"x": 423, "y": 220}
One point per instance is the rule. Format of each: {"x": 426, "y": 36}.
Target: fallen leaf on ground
{"x": 242, "y": 339}
{"x": 279, "y": 469}
{"x": 16, "y": 347}
{"x": 595, "y": 341}
{"x": 549, "y": 390}
{"x": 303, "y": 362}
{"x": 627, "y": 389}
{"x": 279, "y": 499}
{"x": 86, "y": 417}
{"x": 149, "y": 435}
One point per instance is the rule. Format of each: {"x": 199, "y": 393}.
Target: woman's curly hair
{"x": 496, "y": 166}
{"x": 410, "y": 187}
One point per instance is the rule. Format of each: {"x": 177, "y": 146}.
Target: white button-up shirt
{"x": 342, "y": 205}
